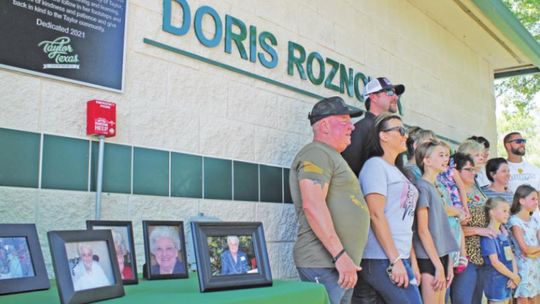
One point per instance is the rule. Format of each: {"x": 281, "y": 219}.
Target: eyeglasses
{"x": 470, "y": 170}
{"x": 402, "y": 131}
{"x": 518, "y": 141}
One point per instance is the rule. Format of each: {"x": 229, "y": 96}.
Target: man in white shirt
{"x": 521, "y": 172}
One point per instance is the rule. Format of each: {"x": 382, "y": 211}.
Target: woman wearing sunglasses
{"x": 387, "y": 271}
{"x": 467, "y": 286}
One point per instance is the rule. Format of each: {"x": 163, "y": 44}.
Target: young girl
{"x": 526, "y": 244}
{"x": 502, "y": 274}
{"x": 450, "y": 186}
{"x": 433, "y": 240}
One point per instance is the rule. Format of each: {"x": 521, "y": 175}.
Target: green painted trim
{"x": 185, "y": 181}
{"x": 229, "y": 67}
{"x": 497, "y": 12}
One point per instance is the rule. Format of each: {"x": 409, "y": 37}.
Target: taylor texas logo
{"x": 61, "y": 52}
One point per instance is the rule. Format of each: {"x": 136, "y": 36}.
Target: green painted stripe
{"x": 497, "y": 12}
{"x": 229, "y": 67}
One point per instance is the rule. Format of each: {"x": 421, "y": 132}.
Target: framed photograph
{"x": 165, "y": 250}
{"x": 122, "y": 234}
{"x": 21, "y": 261}
{"x": 231, "y": 255}
{"x": 85, "y": 265}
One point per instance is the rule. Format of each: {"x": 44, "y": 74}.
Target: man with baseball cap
{"x": 380, "y": 96}
{"x": 332, "y": 214}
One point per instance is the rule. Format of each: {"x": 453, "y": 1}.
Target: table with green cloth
{"x": 187, "y": 291}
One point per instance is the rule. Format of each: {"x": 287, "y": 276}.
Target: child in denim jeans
{"x": 501, "y": 266}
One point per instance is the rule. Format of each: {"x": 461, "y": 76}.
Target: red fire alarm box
{"x": 101, "y": 118}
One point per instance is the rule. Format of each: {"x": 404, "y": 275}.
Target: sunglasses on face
{"x": 388, "y": 92}
{"x": 518, "y": 141}
{"x": 402, "y": 131}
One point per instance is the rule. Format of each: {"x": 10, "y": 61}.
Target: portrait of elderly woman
{"x": 88, "y": 272}
{"x": 121, "y": 252}
{"x": 233, "y": 261}
{"x": 122, "y": 235}
{"x": 165, "y": 248}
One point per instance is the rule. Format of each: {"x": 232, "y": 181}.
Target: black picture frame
{"x": 27, "y": 279}
{"x": 129, "y": 257}
{"x": 205, "y": 233}
{"x": 154, "y": 231}
{"x": 65, "y": 267}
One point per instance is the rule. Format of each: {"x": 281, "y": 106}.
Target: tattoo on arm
{"x": 317, "y": 182}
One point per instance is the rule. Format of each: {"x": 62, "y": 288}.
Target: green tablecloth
{"x": 187, "y": 291}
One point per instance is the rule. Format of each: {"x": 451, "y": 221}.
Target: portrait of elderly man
{"x": 88, "y": 273}
{"x": 165, "y": 246}
{"x": 233, "y": 261}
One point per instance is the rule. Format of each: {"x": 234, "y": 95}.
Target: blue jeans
{"x": 468, "y": 286}
{"x": 329, "y": 278}
{"x": 365, "y": 294}
{"x": 374, "y": 274}
{"x": 495, "y": 285}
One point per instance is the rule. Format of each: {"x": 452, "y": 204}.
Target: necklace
{"x": 440, "y": 191}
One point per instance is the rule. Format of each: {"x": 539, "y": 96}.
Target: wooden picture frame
{"x": 164, "y": 250}
{"x": 241, "y": 263}
{"x": 122, "y": 233}
{"x": 85, "y": 265}
{"x": 22, "y": 267}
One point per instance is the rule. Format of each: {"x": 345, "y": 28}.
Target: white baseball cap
{"x": 380, "y": 84}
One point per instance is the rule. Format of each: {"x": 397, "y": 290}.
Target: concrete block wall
{"x": 173, "y": 102}
{"x": 69, "y": 210}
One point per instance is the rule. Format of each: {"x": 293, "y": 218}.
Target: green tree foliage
{"x": 528, "y": 12}
{"x": 516, "y": 109}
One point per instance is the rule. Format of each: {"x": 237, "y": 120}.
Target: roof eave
{"x": 497, "y": 12}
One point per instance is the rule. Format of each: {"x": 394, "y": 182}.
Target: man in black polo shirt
{"x": 380, "y": 96}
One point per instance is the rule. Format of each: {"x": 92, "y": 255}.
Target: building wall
{"x": 176, "y": 105}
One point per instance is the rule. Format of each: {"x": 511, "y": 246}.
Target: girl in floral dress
{"x": 525, "y": 234}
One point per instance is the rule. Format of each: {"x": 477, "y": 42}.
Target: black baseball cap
{"x": 332, "y": 106}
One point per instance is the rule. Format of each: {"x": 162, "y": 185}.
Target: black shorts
{"x": 426, "y": 266}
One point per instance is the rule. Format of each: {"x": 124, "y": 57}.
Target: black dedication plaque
{"x": 75, "y": 40}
